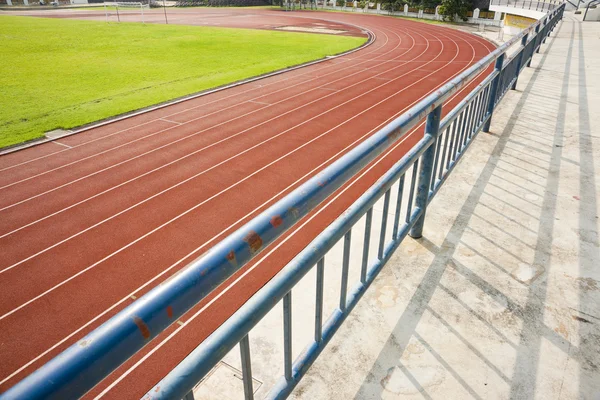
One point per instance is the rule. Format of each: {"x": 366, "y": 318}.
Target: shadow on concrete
{"x": 520, "y": 186}
{"x": 589, "y": 250}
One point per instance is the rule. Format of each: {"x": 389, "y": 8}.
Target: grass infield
{"x": 65, "y": 73}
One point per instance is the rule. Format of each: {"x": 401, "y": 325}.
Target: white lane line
{"x": 133, "y": 158}
{"x": 189, "y": 179}
{"x": 260, "y": 102}
{"x": 146, "y": 356}
{"x": 120, "y": 146}
{"x": 155, "y": 195}
{"x": 255, "y": 265}
{"x": 184, "y": 258}
{"x": 156, "y": 119}
{"x": 334, "y": 90}
{"x": 214, "y": 196}
{"x": 212, "y": 167}
{"x": 173, "y": 122}
{"x": 169, "y": 128}
{"x": 148, "y": 283}
{"x": 170, "y": 143}
{"x": 163, "y": 146}
{"x": 324, "y": 67}
{"x": 62, "y": 144}
{"x": 444, "y": 62}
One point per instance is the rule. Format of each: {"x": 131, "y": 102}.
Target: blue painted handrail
{"x": 80, "y": 367}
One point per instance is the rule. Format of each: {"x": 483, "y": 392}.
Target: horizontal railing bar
{"x": 282, "y": 387}
{"x": 87, "y": 362}
{"x": 201, "y": 360}
{"x": 453, "y": 114}
{"x": 300, "y": 265}
{"x": 513, "y": 57}
{"x": 73, "y": 373}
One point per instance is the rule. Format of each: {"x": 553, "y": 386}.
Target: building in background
{"x": 519, "y": 14}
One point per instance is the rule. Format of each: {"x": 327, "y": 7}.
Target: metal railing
{"x": 542, "y": 6}
{"x": 416, "y": 178}
{"x": 592, "y": 4}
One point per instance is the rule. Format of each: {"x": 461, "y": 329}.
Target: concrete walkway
{"x": 501, "y": 297}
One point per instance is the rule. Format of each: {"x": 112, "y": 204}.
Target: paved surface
{"x": 92, "y": 221}
{"x": 501, "y": 297}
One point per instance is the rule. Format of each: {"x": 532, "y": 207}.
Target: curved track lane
{"x": 97, "y": 219}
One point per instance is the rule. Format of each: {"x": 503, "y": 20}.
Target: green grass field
{"x": 65, "y": 73}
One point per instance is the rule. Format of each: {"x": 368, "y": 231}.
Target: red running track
{"x": 92, "y": 221}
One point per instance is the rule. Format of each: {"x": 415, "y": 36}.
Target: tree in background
{"x": 428, "y": 4}
{"x": 451, "y": 9}
{"x": 391, "y": 5}
{"x": 398, "y": 5}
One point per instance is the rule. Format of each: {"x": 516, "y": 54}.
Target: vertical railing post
{"x": 546, "y": 33}
{"x": 535, "y": 41}
{"x": 384, "y": 218}
{"x": 345, "y": 268}
{"x": 432, "y": 128}
{"x": 287, "y": 336}
{"x": 494, "y": 91}
{"x": 520, "y": 60}
{"x": 366, "y": 243}
{"x": 398, "y": 208}
{"x": 319, "y": 301}
{"x": 189, "y": 395}
{"x": 246, "y": 368}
